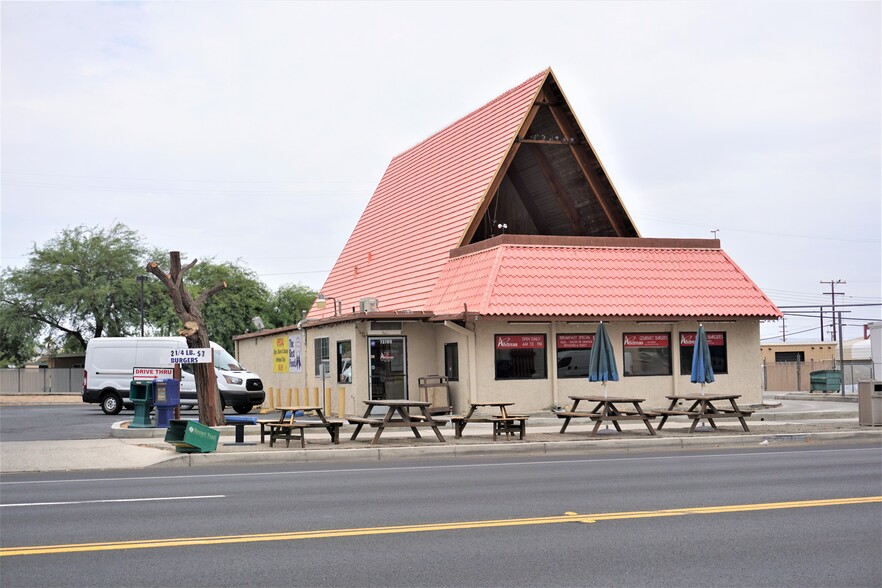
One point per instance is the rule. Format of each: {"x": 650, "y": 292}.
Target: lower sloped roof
{"x": 597, "y": 277}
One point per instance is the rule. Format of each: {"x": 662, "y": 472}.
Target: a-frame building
{"x": 489, "y": 252}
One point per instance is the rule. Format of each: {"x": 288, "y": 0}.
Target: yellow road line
{"x": 569, "y": 517}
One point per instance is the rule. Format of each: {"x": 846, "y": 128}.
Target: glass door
{"x": 388, "y": 368}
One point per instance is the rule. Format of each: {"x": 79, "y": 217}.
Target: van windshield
{"x": 224, "y": 361}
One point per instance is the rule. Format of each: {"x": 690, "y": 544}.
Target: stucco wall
{"x": 477, "y": 380}
{"x": 744, "y": 374}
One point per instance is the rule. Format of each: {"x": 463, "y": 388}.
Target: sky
{"x": 256, "y": 132}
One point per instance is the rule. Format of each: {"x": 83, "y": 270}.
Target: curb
{"x": 521, "y": 448}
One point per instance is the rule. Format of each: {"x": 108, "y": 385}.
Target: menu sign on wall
{"x": 570, "y": 341}
{"x": 648, "y": 340}
{"x": 713, "y": 339}
{"x": 520, "y": 341}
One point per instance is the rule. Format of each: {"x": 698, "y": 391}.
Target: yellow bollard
{"x": 341, "y": 402}
{"x": 315, "y": 394}
{"x": 279, "y": 397}
{"x": 327, "y": 406}
{"x": 296, "y": 396}
{"x": 289, "y": 397}
{"x": 271, "y": 396}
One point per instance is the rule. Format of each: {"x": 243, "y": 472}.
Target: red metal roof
{"x": 423, "y": 205}
{"x": 587, "y": 281}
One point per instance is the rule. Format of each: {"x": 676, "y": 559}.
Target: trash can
{"x": 826, "y": 380}
{"x": 191, "y": 436}
{"x": 870, "y": 402}
{"x": 141, "y": 395}
{"x": 166, "y": 396}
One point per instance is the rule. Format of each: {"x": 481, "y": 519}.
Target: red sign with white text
{"x": 713, "y": 339}
{"x": 575, "y": 341}
{"x": 648, "y": 340}
{"x": 520, "y": 341}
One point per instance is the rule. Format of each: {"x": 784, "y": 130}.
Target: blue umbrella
{"x": 602, "y": 363}
{"x": 702, "y": 371}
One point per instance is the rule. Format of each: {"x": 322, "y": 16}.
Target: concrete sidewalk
{"x": 780, "y": 421}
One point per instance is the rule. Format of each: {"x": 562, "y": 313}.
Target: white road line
{"x": 115, "y": 500}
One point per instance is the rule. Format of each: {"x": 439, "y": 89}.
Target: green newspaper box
{"x": 191, "y": 436}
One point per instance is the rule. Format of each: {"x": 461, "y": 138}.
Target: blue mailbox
{"x": 166, "y": 396}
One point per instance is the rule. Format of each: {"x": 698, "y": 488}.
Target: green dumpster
{"x": 826, "y": 380}
{"x": 191, "y": 436}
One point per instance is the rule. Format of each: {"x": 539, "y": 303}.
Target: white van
{"x": 110, "y": 362}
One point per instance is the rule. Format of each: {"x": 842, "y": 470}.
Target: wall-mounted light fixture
{"x": 321, "y": 300}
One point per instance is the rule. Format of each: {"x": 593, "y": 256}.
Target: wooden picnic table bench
{"x": 703, "y": 408}
{"x": 290, "y": 421}
{"x": 606, "y": 409}
{"x": 399, "y": 407}
{"x": 502, "y": 422}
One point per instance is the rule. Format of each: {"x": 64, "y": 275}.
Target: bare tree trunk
{"x": 190, "y": 312}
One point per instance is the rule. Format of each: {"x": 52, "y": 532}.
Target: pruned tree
{"x": 189, "y": 311}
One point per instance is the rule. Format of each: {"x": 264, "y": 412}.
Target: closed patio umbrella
{"x": 702, "y": 371}
{"x": 602, "y": 362}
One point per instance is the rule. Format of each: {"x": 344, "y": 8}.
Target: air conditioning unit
{"x": 368, "y": 305}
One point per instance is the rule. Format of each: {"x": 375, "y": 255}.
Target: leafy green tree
{"x": 226, "y": 314}
{"x": 80, "y": 284}
{"x": 18, "y": 334}
{"x": 287, "y": 305}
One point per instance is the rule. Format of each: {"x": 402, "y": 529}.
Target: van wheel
{"x": 111, "y": 403}
{"x": 188, "y": 406}
{"x": 242, "y": 408}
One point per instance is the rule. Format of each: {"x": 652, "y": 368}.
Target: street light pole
{"x": 141, "y": 280}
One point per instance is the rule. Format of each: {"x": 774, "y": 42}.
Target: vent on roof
{"x": 368, "y": 304}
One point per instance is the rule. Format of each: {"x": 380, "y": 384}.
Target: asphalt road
{"x": 764, "y": 517}
{"x": 67, "y": 421}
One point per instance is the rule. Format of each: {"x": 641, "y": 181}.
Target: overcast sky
{"x": 257, "y": 132}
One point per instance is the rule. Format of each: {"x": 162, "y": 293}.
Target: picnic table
{"x": 703, "y": 407}
{"x": 287, "y": 423}
{"x": 606, "y": 410}
{"x": 389, "y": 420}
{"x": 502, "y": 423}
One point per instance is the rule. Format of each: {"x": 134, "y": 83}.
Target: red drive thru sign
{"x": 148, "y": 373}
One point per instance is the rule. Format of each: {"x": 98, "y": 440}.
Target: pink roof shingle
{"x": 424, "y": 204}
{"x": 538, "y": 280}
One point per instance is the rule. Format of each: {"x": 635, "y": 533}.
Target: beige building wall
{"x": 744, "y": 373}
{"x": 812, "y": 351}
{"x": 477, "y": 372}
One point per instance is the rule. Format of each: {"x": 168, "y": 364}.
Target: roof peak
{"x": 486, "y": 105}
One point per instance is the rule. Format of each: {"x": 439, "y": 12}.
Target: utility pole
{"x": 783, "y": 331}
{"x": 841, "y": 358}
{"x": 833, "y": 294}
{"x": 821, "y": 314}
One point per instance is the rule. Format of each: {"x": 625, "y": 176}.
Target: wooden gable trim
{"x": 504, "y": 165}
{"x": 594, "y": 181}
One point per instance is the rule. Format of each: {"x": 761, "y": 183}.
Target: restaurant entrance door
{"x": 388, "y": 368}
